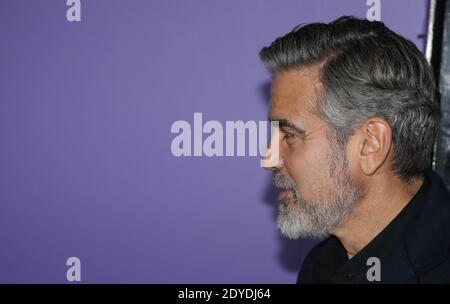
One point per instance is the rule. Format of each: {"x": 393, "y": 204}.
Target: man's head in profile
{"x": 358, "y": 119}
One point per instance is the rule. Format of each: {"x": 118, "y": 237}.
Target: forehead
{"x": 294, "y": 93}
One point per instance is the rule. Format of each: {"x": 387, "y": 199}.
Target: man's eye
{"x": 288, "y": 136}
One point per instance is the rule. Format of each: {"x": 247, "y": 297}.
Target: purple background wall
{"x": 86, "y": 108}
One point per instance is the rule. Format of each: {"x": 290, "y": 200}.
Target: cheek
{"x": 309, "y": 168}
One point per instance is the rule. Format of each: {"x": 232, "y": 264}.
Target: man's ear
{"x": 375, "y": 144}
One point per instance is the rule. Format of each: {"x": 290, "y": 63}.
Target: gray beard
{"x": 316, "y": 219}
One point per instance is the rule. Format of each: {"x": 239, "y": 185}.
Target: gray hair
{"x": 367, "y": 70}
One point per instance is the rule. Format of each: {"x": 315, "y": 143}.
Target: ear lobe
{"x": 375, "y": 145}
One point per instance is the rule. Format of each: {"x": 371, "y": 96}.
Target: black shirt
{"x": 328, "y": 261}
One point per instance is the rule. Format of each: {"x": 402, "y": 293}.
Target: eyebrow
{"x": 284, "y": 123}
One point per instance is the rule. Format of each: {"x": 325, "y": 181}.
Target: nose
{"x": 271, "y": 166}
{"x": 271, "y": 160}
{"x": 271, "y": 163}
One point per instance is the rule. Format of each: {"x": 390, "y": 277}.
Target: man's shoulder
{"x": 428, "y": 237}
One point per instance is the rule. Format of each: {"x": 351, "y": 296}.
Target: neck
{"x": 385, "y": 198}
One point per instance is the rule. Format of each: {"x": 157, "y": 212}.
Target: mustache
{"x": 282, "y": 182}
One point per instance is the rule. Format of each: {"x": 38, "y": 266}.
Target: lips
{"x": 285, "y": 195}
